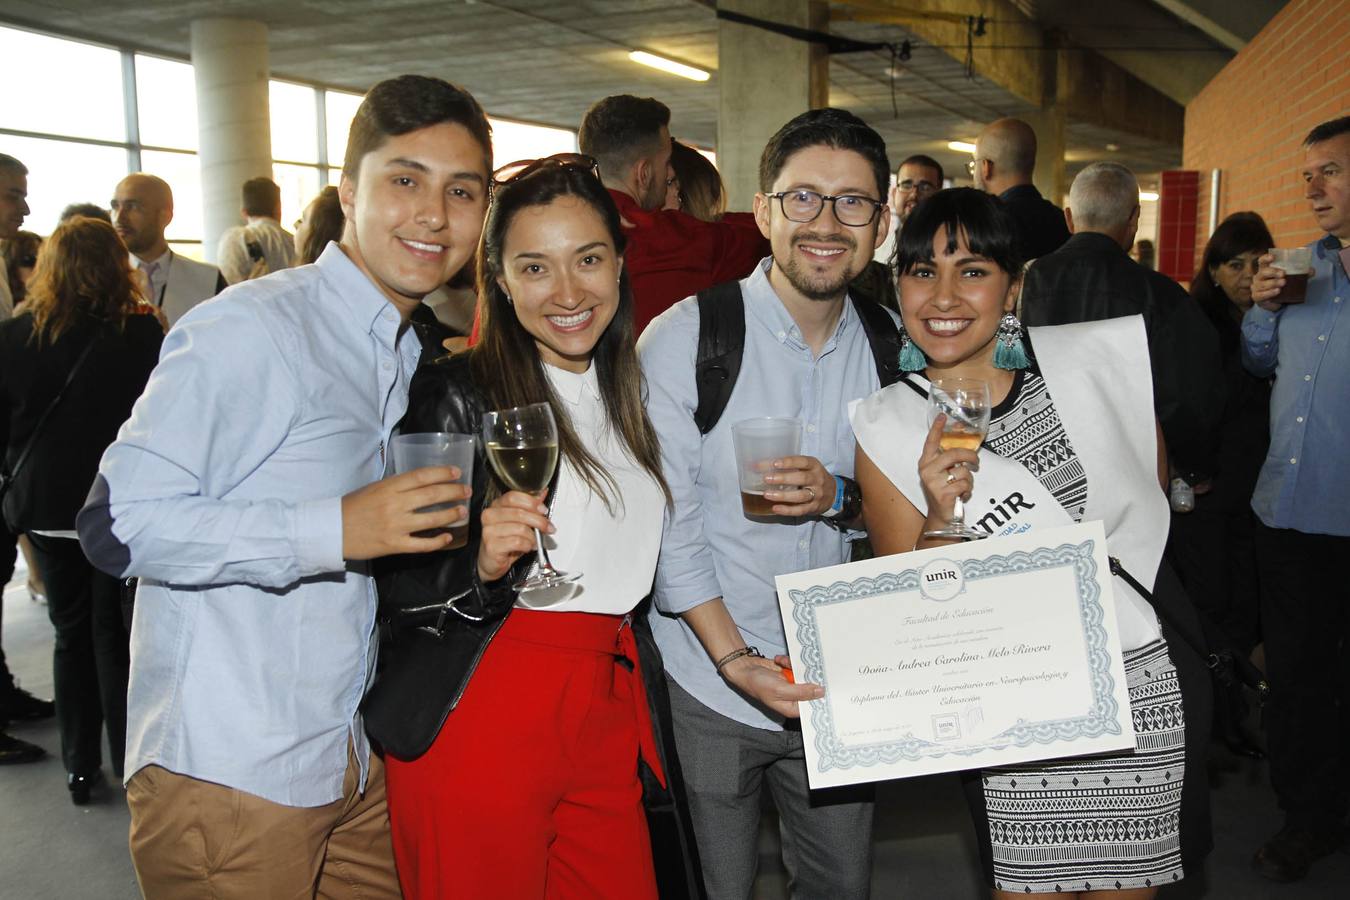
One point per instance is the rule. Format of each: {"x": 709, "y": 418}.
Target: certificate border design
{"x": 1097, "y": 720}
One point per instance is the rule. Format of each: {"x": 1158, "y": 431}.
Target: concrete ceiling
{"x": 547, "y": 61}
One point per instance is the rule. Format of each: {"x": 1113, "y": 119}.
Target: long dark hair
{"x": 505, "y": 362}
{"x": 1239, "y": 233}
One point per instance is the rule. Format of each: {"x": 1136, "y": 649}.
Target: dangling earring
{"x": 508, "y": 299}
{"x": 1010, "y": 352}
{"x": 911, "y": 357}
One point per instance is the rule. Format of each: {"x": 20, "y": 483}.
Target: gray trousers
{"x": 826, "y": 835}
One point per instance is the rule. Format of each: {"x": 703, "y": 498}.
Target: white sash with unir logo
{"x": 1098, "y": 376}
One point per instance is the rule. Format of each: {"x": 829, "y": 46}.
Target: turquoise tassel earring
{"x": 1010, "y": 352}
{"x": 911, "y": 357}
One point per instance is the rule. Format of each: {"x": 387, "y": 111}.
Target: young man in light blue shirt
{"x": 245, "y": 491}
{"x": 1302, "y": 498}
{"x": 823, "y": 181}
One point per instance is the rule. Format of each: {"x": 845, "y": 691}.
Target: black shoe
{"x": 1290, "y": 854}
{"x": 14, "y": 751}
{"x": 20, "y": 706}
{"x": 81, "y": 786}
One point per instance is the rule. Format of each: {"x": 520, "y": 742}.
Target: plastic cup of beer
{"x": 437, "y": 448}
{"x": 758, "y": 443}
{"x": 1296, "y": 263}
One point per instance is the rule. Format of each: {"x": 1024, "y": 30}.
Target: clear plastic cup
{"x": 1296, "y": 262}
{"x": 758, "y": 442}
{"x": 437, "y": 448}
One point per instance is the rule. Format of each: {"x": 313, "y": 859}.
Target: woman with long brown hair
{"x": 513, "y": 719}
{"x": 71, "y": 366}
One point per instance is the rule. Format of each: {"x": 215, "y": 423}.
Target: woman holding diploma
{"x": 1072, "y": 437}
{"x": 514, "y": 718}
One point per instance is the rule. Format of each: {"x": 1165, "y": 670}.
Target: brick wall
{"x": 1250, "y": 121}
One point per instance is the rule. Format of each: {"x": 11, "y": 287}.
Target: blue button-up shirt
{"x": 253, "y": 640}
{"x": 710, "y": 549}
{"x": 1303, "y": 483}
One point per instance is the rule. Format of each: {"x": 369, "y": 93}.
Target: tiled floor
{"x": 51, "y": 850}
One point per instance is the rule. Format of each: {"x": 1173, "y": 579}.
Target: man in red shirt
{"x": 670, "y": 254}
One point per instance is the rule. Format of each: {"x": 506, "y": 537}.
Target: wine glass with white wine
{"x": 522, "y": 446}
{"x": 965, "y": 403}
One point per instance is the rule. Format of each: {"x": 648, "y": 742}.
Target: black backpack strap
{"x": 721, "y": 343}
{"x": 882, "y": 336}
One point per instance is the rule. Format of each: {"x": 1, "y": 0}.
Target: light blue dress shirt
{"x": 709, "y": 548}
{"x": 1304, "y": 483}
{"x": 253, "y": 640}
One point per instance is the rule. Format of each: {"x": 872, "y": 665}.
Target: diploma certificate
{"x": 962, "y": 657}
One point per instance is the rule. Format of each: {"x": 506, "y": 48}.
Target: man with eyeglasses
{"x": 806, "y": 355}
{"x": 918, "y": 178}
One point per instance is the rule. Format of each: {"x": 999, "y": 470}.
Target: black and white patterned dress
{"x": 1086, "y": 823}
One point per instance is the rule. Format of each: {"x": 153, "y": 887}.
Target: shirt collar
{"x": 1328, "y": 245}
{"x": 762, "y": 302}
{"x": 1018, "y": 190}
{"x": 162, "y": 260}
{"x": 572, "y": 386}
{"x": 363, "y": 301}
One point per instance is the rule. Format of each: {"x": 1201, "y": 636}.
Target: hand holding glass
{"x": 758, "y": 442}
{"x": 965, "y": 403}
{"x": 522, "y": 446}
{"x": 437, "y": 448}
{"x": 1296, "y": 264}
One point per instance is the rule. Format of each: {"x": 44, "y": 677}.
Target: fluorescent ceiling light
{"x": 1150, "y": 196}
{"x": 961, "y": 146}
{"x": 668, "y": 65}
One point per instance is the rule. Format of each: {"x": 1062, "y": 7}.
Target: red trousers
{"x": 531, "y": 789}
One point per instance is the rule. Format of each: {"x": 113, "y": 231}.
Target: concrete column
{"x": 229, "y": 60}
{"x": 764, "y": 79}
{"x": 1050, "y": 122}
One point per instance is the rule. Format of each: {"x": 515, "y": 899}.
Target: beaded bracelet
{"x": 737, "y": 654}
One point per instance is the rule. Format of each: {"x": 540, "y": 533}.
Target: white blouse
{"x": 615, "y": 552}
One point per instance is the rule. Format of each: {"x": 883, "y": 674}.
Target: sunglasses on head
{"x": 523, "y": 168}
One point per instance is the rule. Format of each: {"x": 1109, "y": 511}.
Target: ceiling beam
{"x": 1231, "y": 23}
{"x": 1017, "y": 54}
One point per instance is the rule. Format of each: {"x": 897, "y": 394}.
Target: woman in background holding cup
{"x": 514, "y": 723}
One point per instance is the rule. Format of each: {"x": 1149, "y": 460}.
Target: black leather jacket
{"x": 436, "y": 616}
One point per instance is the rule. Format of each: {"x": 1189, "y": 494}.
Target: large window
{"x": 81, "y": 116}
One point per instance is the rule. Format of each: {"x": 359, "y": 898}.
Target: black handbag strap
{"x": 46, "y": 413}
{"x": 1215, "y": 660}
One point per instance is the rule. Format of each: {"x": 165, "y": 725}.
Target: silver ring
{"x": 951, "y": 476}
{"x": 812, "y": 490}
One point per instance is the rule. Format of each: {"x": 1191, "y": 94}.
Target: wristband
{"x": 838, "y": 505}
{"x": 737, "y": 654}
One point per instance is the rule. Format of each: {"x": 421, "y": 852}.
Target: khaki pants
{"x": 192, "y": 838}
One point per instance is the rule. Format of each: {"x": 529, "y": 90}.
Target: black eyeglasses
{"x": 523, "y": 168}
{"x": 849, "y": 209}
{"x": 922, "y": 187}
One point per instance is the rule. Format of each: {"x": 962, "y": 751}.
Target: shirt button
{"x": 388, "y": 315}
{"x": 802, "y": 544}
{"x": 1293, "y": 460}
{"x": 811, "y": 428}
{"x": 1307, "y": 378}
{"x": 782, "y": 334}
{"x": 1298, "y": 418}
{"x": 388, "y": 366}
{"x": 1321, "y": 337}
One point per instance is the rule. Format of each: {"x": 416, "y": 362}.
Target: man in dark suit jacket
{"x": 1092, "y": 277}
{"x": 1005, "y": 158}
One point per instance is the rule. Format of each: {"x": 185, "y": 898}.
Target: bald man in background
{"x": 1005, "y": 158}
{"x": 142, "y": 207}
